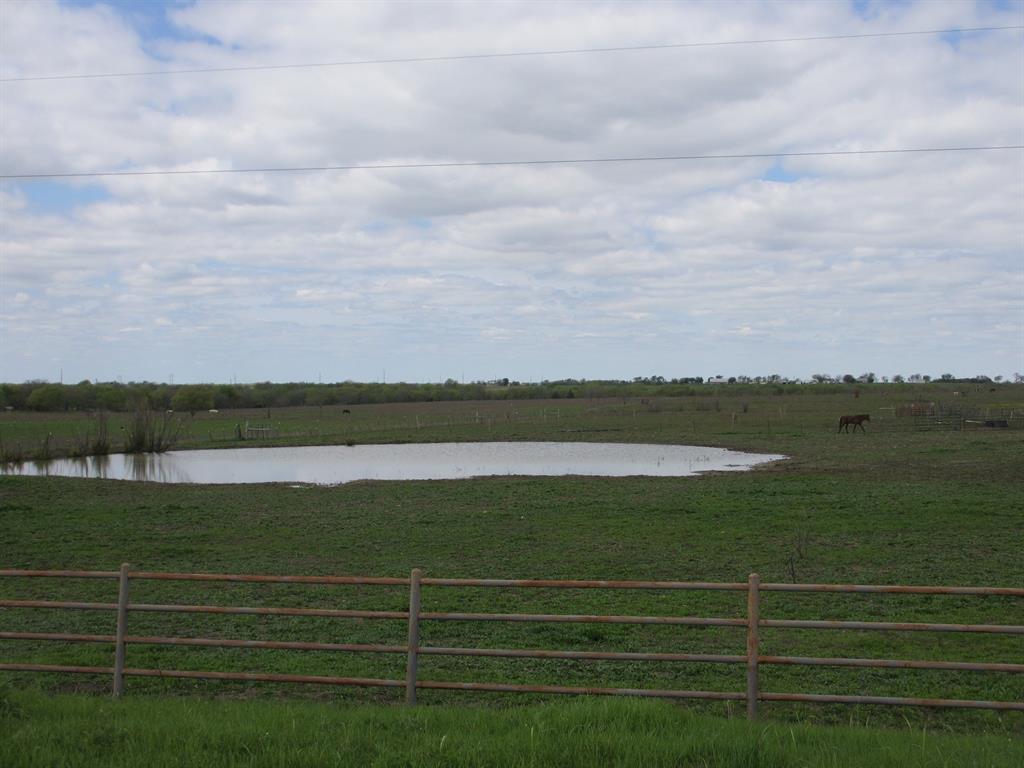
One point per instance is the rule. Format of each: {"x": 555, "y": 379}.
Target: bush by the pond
{"x": 148, "y": 432}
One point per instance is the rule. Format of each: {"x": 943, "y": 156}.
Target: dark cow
{"x": 856, "y": 421}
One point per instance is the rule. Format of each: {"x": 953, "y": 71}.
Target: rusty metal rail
{"x": 752, "y": 623}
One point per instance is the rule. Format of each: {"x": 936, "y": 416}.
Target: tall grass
{"x": 148, "y": 432}
{"x": 93, "y": 443}
{"x": 11, "y": 453}
{"x": 45, "y": 450}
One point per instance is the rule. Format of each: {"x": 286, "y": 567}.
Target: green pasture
{"x": 744, "y": 416}
{"x": 893, "y": 505}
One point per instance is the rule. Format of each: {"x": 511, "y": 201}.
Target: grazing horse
{"x": 857, "y": 421}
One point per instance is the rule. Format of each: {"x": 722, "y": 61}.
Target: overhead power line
{"x": 490, "y": 163}
{"x": 509, "y": 55}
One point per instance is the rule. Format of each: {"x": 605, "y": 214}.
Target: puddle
{"x": 333, "y": 464}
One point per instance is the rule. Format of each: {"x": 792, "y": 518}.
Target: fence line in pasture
{"x": 751, "y": 658}
{"x": 256, "y": 431}
{"x": 937, "y": 417}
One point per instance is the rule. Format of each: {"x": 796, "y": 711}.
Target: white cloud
{"x": 892, "y": 261}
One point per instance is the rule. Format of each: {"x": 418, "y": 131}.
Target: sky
{"x": 893, "y": 264}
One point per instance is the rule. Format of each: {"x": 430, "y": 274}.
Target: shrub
{"x": 149, "y": 433}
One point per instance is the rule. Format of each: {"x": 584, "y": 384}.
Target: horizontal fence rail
{"x": 752, "y": 623}
{"x": 426, "y": 581}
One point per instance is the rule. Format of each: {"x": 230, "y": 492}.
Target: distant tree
{"x": 82, "y": 396}
{"x": 897, "y": 379}
{"x": 848, "y": 378}
{"x": 227, "y": 396}
{"x": 316, "y": 395}
{"x": 110, "y": 397}
{"x": 926, "y": 377}
{"x": 193, "y": 398}
{"x": 290, "y": 395}
{"x": 11, "y": 395}
{"x": 998, "y": 378}
{"x": 947, "y": 377}
{"x": 49, "y": 397}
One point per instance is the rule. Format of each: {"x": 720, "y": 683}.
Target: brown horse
{"x": 857, "y": 421}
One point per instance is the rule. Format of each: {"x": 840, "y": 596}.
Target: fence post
{"x": 753, "y": 619}
{"x": 122, "y": 629}
{"x": 412, "y": 661}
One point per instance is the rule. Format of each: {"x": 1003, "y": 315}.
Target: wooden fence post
{"x": 753, "y": 639}
{"x": 412, "y": 661}
{"x": 122, "y": 629}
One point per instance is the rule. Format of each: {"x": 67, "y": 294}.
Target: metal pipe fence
{"x": 752, "y": 623}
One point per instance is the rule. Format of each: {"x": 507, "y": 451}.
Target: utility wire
{"x": 490, "y": 163}
{"x": 508, "y": 55}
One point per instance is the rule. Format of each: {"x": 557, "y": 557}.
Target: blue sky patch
{"x": 151, "y": 20}
{"x": 60, "y": 197}
{"x": 870, "y": 9}
{"x": 779, "y": 173}
{"x": 953, "y": 39}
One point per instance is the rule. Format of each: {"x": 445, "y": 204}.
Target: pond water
{"x": 332, "y": 464}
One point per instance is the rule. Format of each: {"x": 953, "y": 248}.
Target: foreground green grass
{"x": 37, "y": 731}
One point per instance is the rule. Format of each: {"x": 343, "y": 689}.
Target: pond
{"x": 333, "y": 464}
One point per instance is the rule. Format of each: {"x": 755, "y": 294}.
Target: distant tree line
{"x": 116, "y": 396}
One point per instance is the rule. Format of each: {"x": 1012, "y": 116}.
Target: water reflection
{"x": 92, "y": 466}
{"x": 156, "y": 468}
{"x": 328, "y": 465}
{"x": 41, "y": 467}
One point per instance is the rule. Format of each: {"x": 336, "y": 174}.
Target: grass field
{"x": 894, "y": 505}
{"x": 715, "y": 416}
{"x": 37, "y": 731}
